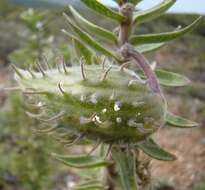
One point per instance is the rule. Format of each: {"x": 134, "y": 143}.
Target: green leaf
{"x": 88, "y": 40}
{"x": 90, "y": 27}
{"x": 171, "y": 79}
{"x": 82, "y": 51}
{"x": 178, "y": 121}
{"x": 167, "y": 78}
{"x": 158, "y": 10}
{"x": 91, "y": 185}
{"x": 150, "y": 148}
{"x": 81, "y": 161}
{"x": 103, "y": 10}
{"x": 163, "y": 37}
{"x": 147, "y": 48}
{"x": 126, "y": 167}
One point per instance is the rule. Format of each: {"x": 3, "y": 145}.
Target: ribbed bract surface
{"x": 108, "y": 105}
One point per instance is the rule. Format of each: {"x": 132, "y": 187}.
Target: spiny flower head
{"x": 109, "y": 104}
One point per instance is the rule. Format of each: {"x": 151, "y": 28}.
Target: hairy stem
{"x": 140, "y": 60}
{"x": 126, "y": 9}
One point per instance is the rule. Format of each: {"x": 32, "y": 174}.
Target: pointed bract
{"x": 158, "y": 10}
{"x": 180, "y": 122}
{"x": 163, "y": 37}
{"x": 92, "y": 28}
{"x": 87, "y": 39}
{"x": 152, "y": 149}
{"x": 103, "y": 10}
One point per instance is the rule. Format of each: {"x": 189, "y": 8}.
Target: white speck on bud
{"x": 71, "y": 184}
{"x": 39, "y": 25}
{"x": 131, "y": 82}
{"x": 40, "y": 104}
{"x": 178, "y": 27}
{"x": 117, "y": 106}
{"x": 82, "y": 98}
{"x": 93, "y": 99}
{"x": 119, "y": 120}
{"x": 96, "y": 118}
{"x": 104, "y": 110}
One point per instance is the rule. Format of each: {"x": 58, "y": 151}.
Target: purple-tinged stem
{"x": 140, "y": 60}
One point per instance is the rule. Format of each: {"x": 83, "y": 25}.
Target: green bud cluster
{"x": 108, "y": 104}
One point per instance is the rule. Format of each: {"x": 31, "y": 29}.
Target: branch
{"x": 128, "y": 51}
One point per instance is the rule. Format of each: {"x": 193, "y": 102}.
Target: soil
{"x": 187, "y": 144}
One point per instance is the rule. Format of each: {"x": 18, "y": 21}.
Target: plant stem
{"x": 126, "y": 9}
{"x": 139, "y": 59}
{"x": 123, "y": 162}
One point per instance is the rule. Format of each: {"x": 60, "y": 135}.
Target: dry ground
{"x": 187, "y": 144}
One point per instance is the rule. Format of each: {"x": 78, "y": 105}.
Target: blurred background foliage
{"x": 24, "y": 162}
{"x": 38, "y": 40}
{"x": 27, "y": 35}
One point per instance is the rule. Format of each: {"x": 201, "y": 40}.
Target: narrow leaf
{"x": 103, "y": 10}
{"x": 90, "y": 27}
{"x": 125, "y": 163}
{"x": 91, "y": 185}
{"x": 178, "y": 121}
{"x": 171, "y": 79}
{"x": 150, "y": 148}
{"x": 88, "y": 40}
{"x": 158, "y": 10}
{"x": 81, "y": 161}
{"x": 82, "y": 51}
{"x": 167, "y": 78}
{"x": 163, "y": 37}
{"x": 147, "y": 48}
